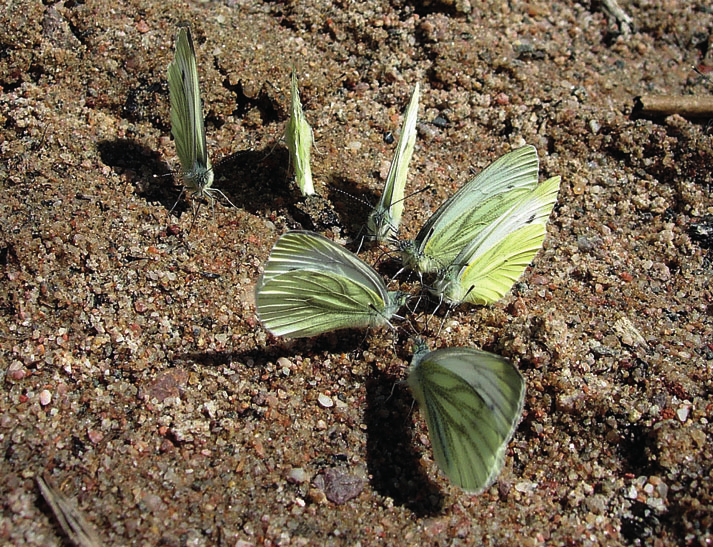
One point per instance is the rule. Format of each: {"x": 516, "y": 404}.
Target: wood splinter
{"x": 687, "y": 106}
{"x": 73, "y": 524}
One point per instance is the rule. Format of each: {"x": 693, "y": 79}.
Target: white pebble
{"x": 325, "y": 401}
{"x": 45, "y": 397}
{"x": 682, "y": 413}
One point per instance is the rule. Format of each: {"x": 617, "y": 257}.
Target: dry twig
{"x": 664, "y": 105}
{"x": 72, "y": 522}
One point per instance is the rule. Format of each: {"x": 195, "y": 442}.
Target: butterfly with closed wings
{"x": 473, "y": 402}
{"x": 311, "y": 285}
{"x": 384, "y": 220}
{"x": 299, "y": 137}
{"x": 187, "y": 120}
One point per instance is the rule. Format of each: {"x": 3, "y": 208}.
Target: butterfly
{"x": 187, "y": 118}
{"x": 473, "y": 401}
{"x": 475, "y": 206}
{"x": 311, "y": 285}
{"x": 493, "y": 261}
{"x": 384, "y": 220}
{"x": 299, "y": 137}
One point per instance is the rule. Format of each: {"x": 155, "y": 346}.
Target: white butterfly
{"x": 312, "y": 285}
{"x": 384, "y": 220}
{"x": 473, "y": 402}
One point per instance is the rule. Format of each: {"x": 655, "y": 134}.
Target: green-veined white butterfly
{"x": 312, "y": 285}
{"x": 473, "y": 402}
{"x": 299, "y": 137}
{"x": 384, "y": 220}
{"x": 187, "y": 118}
{"x": 466, "y": 213}
{"x": 498, "y": 255}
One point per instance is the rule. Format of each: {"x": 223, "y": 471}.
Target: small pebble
{"x": 683, "y": 412}
{"x": 339, "y": 485}
{"x": 45, "y": 397}
{"x": 297, "y": 475}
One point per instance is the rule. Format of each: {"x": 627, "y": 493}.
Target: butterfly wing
{"x": 488, "y": 267}
{"x": 312, "y": 285}
{"x": 304, "y": 250}
{"x": 299, "y": 137}
{"x": 473, "y": 402}
{"x": 187, "y": 115}
{"x": 466, "y": 213}
{"x": 307, "y": 303}
{"x": 384, "y": 220}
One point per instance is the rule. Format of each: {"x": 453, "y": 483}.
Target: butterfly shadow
{"x": 264, "y": 182}
{"x": 393, "y": 461}
{"x": 142, "y": 167}
{"x": 352, "y": 201}
{"x": 250, "y": 179}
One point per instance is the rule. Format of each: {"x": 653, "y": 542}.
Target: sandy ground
{"x": 137, "y": 379}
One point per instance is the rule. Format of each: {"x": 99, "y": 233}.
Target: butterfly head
{"x": 420, "y": 348}
{"x": 379, "y": 226}
{"x": 199, "y": 180}
{"x": 397, "y": 299}
{"x": 410, "y": 254}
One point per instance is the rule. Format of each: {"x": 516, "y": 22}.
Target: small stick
{"x": 73, "y": 524}
{"x": 664, "y": 105}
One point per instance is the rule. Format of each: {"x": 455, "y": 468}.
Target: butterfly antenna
{"x": 352, "y": 196}
{"x": 218, "y": 191}
{"x": 393, "y": 388}
{"x": 381, "y": 256}
{"x": 414, "y": 193}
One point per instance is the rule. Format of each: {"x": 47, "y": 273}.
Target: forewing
{"x": 385, "y": 219}
{"x": 473, "y": 402}
{"x": 303, "y": 250}
{"x": 499, "y": 255}
{"x": 477, "y": 204}
{"x": 186, "y": 109}
{"x": 299, "y": 138}
{"x": 306, "y": 303}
